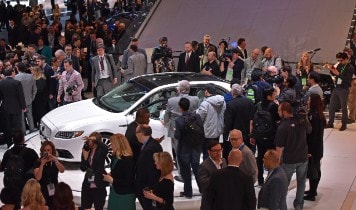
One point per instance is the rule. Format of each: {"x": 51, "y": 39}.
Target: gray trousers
{"x": 103, "y": 87}
{"x": 175, "y": 146}
{"x": 339, "y": 96}
{"x": 28, "y": 116}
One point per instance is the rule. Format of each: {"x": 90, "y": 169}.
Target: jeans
{"x": 301, "y": 171}
{"x": 339, "y": 96}
{"x": 186, "y": 161}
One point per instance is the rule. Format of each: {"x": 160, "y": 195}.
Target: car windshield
{"x": 122, "y": 97}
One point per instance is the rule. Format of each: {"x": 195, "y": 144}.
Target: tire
{"x": 105, "y": 138}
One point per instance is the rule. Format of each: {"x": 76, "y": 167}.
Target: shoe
{"x": 343, "y": 127}
{"x": 329, "y": 126}
{"x": 349, "y": 121}
{"x": 181, "y": 194}
{"x": 309, "y": 198}
{"x": 178, "y": 178}
{"x": 307, "y": 192}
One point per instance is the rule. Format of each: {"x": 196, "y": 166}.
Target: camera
{"x": 45, "y": 155}
{"x": 70, "y": 89}
{"x": 278, "y": 79}
{"x": 86, "y": 146}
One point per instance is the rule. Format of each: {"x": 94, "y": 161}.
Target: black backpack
{"x": 263, "y": 125}
{"x": 193, "y": 132}
{"x": 14, "y": 173}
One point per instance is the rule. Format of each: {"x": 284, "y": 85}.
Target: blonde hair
{"x": 37, "y": 73}
{"x": 165, "y": 161}
{"x": 32, "y": 195}
{"x": 307, "y": 63}
{"x": 122, "y": 146}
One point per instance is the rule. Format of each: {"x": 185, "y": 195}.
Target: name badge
{"x": 51, "y": 189}
{"x": 339, "y": 81}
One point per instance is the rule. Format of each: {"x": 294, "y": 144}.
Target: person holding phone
{"x": 46, "y": 171}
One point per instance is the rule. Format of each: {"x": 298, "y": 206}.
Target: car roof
{"x": 152, "y": 81}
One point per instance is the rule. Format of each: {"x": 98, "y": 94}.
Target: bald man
{"x": 271, "y": 60}
{"x": 230, "y": 188}
{"x": 248, "y": 165}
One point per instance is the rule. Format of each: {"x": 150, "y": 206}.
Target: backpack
{"x": 14, "y": 173}
{"x": 263, "y": 125}
{"x": 253, "y": 93}
{"x": 193, "y": 132}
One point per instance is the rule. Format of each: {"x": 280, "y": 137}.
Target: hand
{"x": 59, "y": 99}
{"x": 85, "y": 154}
{"x": 148, "y": 194}
{"x": 50, "y": 96}
{"x": 44, "y": 161}
{"x": 108, "y": 178}
{"x": 114, "y": 81}
{"x": 252, "y": 141}
{"x": 24, "y": 110}
{"x": 122, "y": 71}
{"x": 93, "y": 84}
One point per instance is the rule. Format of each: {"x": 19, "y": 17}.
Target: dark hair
{"x": 263, "y": 49}
{"x": 145, "y": 129}
{"x": 18, "y": 137}
{"x": 291, "y": 81}
{"x": 195, "y": 43}
{"x": 42, "y": 57}
{"x": 315, "y": 76}
{"x": 267, "y": 91}
{"x": 223, "y": 41}
{"x": 141, "y": 116}
{"x": 10, "y": 195}
{"x": 211, "y": 89}
{"x": 285, "y": 106}
{"x": 212, "y": 144}
{"x": 234, "y": 81}
{"x": 256, "y": 75}
{"x": 134, "y": 40}
{"x": 184, "y": 104}
{"x": 316, "y": 105}
{"x": 63, "y": 197}
{"x": 287, "y": 69}
{"x": 68, "y": 60}
{"x": 21, "y": 67}
{"x": 133, "y": 48}
{"x": 239, "y": 41}
{"x": 163, "y": 39}
{"x": 68, "y": 45}
{"x": 32, "y": 45}
{"x": 342, "y": 55}
{"x": 8, "y": 71}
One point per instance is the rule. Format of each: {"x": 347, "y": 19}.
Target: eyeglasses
{"x": 216, "y": 150}
{"x": 235, "y": 139}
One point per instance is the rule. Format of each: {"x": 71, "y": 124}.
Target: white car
{"x": 67, "y": 125}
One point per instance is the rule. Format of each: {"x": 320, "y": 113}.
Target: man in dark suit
{"x": 241, "y": 48}
{"x": 230, "y": 188}
{"x": 115, "y": 50}
{"x": 94, "y": 154}
{"x": 274, "y": 191}
{"x": 52, "y": 82}
{"x": 68, "y": 50}
{"x": 60, "y": 45}
{"x": 146, "y": 173}
{"x": 238, "y": 115}
{"x": 207, "y": 168}
{"x": 12, "y": 103}
{"x": 104, "y": 72}
{"x": 189, "y": 60}
{"x": 204, "y": 48}
{"x": 13, "y": 33}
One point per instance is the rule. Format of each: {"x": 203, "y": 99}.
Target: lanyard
{"x": 343, "y": 69}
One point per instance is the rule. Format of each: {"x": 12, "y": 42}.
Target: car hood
{"x": 80, "y": 111}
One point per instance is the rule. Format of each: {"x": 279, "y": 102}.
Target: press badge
{"x": 51, "y": 188}
{"x": 339, "y": 81}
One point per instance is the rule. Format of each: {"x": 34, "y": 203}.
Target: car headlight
{"x": 68, "y": 134}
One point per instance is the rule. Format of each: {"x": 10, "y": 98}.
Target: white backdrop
{"x": 288, "y": 26}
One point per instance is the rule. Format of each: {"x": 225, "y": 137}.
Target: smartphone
{"x": 162, "y": 138}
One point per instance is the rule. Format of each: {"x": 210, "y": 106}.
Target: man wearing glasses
{"x": 208, "y": 167}
{"x": 343, "y": 72}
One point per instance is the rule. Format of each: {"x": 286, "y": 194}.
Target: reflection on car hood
{"x": 77, "y": 111}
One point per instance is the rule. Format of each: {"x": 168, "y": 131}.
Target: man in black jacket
{"x": 147, "y": 175}
{"x": 13, "y": 103}
{"x": 189, "y": 60}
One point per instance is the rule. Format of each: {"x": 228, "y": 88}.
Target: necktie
{"x": 186, "y": 59}
{"x": 101, "y": 61}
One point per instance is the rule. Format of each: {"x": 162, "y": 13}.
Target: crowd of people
{"x": 270, "y": 109}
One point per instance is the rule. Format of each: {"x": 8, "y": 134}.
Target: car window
{"x": 122, "y": 97}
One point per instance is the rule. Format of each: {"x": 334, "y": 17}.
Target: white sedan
{"x": 67, "y": 125}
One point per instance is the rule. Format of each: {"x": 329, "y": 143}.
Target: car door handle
{"x": 123, "y": 126}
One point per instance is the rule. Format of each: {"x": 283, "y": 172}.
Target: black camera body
{"x": 86, "y": 146}
{"x": 70, "y": 89}
{"x": 278, "y": 79}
